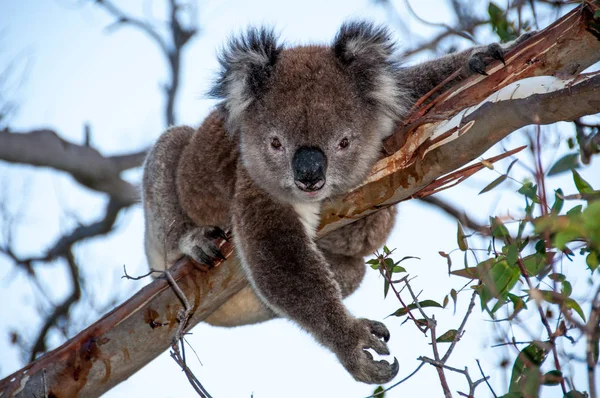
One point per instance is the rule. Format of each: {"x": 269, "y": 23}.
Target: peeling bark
{"x": 119, "y": 344}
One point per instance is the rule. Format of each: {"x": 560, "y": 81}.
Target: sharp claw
{"x": 222, "y": 234}
{"x": 205, "y": 259}
{"x": 395, "y": 366}
{"x": 219, "y": 255}
{"x": 498, "y": 54}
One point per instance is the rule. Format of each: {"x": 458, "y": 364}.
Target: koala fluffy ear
{"x": 247, "y": 63}
{"x": 366, "y": 52}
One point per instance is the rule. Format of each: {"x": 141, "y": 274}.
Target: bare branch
{"x": 171, "y": 47}
{"x": 61, "y": 311}
{"x": 89, "y": 167}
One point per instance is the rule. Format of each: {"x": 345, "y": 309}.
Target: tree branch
{"x": 89, "y": 167}
{"x": 107, "y": 352}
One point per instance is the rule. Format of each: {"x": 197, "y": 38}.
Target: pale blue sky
{"x": 79, "y": 74}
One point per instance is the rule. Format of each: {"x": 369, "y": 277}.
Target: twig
{"x": 486, "y": 378}
{"x": 461, "y": 328}
{"x": 198, "y": 387}
{"x": 137, "y": 278}
{"x": 431, "y": 324}
{"x": 385, "y": 273}
{"x": 398, "y": 383}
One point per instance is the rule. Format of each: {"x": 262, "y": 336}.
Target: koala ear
{"x": 247, "y": 62}
{"x": 366, "y": 52}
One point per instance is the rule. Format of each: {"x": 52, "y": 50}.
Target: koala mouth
{"x": 309, "y": 165}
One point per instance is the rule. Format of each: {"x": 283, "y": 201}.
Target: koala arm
{"x": 419, "y": 79}
{"x": 292, "y": 278}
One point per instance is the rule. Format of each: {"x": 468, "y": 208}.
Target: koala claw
{"x": 481, "y": 58}
{"x": 360, "y": 363}
{"x": 380, "y": 330}
{"x": 199, "y": 244}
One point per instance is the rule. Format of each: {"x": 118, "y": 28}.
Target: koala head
{"x": 310, "y": 119}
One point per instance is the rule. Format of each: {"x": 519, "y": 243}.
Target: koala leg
{"x": 165, "y": 222}
{"x": 243, "y": 308}
{"x": 362, "y": 237}
{"x": 291, "y": 276}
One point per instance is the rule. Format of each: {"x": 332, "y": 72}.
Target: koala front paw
{"x": 200, "y": 244}
{"x": 373, "y": 335}
{"x": 482, "y": 57}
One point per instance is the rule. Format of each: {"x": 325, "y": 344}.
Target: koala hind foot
{"x": 373, "y": 335}
{"x": 200, "y": 244}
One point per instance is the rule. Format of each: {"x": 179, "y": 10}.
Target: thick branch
{"x": 88, "y": 166}
{"x": 123, "y": 341}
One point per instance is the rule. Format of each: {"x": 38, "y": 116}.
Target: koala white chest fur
{"x": 295, "y": 127}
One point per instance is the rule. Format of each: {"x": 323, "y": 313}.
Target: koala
{"x": 295, "y": 126}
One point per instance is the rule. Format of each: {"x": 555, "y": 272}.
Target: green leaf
{"x": 582, "y": 185}
{"x": 379, "y": 392}
{"x": 553, "y": 378}
{"x": 558, "y": 201}
{"x": 566, "y": 163}
{"x": 461, "y": 239}
{"x": 397, "y": 269}
{"x": 567, "y": 289}
{"x": 386, "y": 288}
{"x": 557, "y": 277}
{"x": 518, "y": 303}
{"x": 469, "y": 273}
{"x": 386, "y": 251}
{"x": 592, "y": 260}
{"x": 498, "y": 229}
{"x": 446, "y": 300}
{"x": 494, "y": 184}
{"x": 512, "y": 395}
{"x": 529, "y": 190}
{"x": 574, "y": 305}
{"x": 575, "y": 211}
{"x": 424, "y": 304}
{"x": 537, "y": 264}
{"x": 511, "y": 165}
{"x": 566, "y": 302}
{"x": 512, "y": 255}
{"x": 526, "y": 375}
{"x": 498, "y": 279}
{"x": 447, "y": 337}
{"x": 389, "y": 263}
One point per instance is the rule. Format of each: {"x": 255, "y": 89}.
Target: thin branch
{"x": 461, "y": 328}
{"x": 486, "y": 378}
{"x": 61, "y": 311}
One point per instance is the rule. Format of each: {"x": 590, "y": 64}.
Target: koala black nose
{"x": 309, "y": 165}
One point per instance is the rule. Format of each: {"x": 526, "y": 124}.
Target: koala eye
{"x": 344, "y": 143}
{"x": 275, "y": 143}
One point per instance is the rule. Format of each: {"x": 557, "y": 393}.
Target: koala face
{"x": 310, "y": 119}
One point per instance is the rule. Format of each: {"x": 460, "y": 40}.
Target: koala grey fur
{"x": 295, "y": 126}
